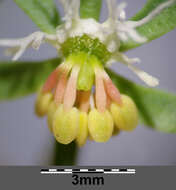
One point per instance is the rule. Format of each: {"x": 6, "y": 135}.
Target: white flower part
{"x": 18, "y": 46}
{"x": 147, "y": 78}
{"x": 71, "y": 8}
{"x": 114, "y": 30}
{"x": 121, "y": 11}
{"x": 152, "y": 14}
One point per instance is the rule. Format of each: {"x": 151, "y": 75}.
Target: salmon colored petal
{"x": 70, "y": 92}
{"x": 51, "y": 80}
{"x": 108, "y": 101}
{"x": 100, "y": 94}
{"x": 61, "y": 86}
{"x": 111, "y": 90}
{"x": 85, "y": 101}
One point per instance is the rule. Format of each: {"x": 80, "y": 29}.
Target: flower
{"x": 78, "y": 97}
{"x": 75, "y": 110}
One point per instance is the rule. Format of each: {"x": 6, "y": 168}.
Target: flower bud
{"x": 51, "y": 111}
{"x": 126, "y": 116}
{"x": 65, "y": 124}
{"x": 100, "y": 125}
{"x": 42, "y": 103}
{"x": 83, "y": 129}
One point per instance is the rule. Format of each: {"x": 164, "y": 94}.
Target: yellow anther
{"x": 100, "y": 125}
{"x": 125, "y": 117}
{"x": 83, "y": 129}
{"x": 51, "y": 111}
{"x": 65, "y": 124}
{"x": 42, "y": 103}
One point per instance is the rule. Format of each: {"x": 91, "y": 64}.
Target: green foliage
{"x": 157, "y": 109}
{"x": 158, "y": 26}
{"x": 42, "y": 12}
{"x": 90, "y": 8}
{"x": 20, "y": 79}
{"x": 45, "y": 14}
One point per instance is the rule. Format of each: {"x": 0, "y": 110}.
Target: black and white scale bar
{"x": 82, "y": 171}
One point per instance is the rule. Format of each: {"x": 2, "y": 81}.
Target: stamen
{"x": 148, "y": 79}
{"x": 108, "y": 101}
{"x": 84, "y": 101}
{"x": 100, "y": 94}
{"x": 111, "y": 89}
{"x": 52, "y": 80}
{"x": 70, "y": 92}
{"x": 61, "y": 86}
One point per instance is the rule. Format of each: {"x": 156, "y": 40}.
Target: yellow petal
{"x": 126, "y": 116}
{"x": 51, "y": 111}
{"x": 83, "y": 129}
{"x": 65, "y": 125}
{"x": 100, "y": 125}
{"x": 42, "y": 103}
{"x": 117, "y": 116}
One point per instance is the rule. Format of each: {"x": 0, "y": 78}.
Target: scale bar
{"x": 89, "y": 171}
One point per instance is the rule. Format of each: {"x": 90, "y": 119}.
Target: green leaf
{"x": 42, "y": 12}
{"x": 158, "y": 26}
{"x": 157, "y": 109}
{"x": 90, "y": 8}
{"x": 20, "y": 79}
